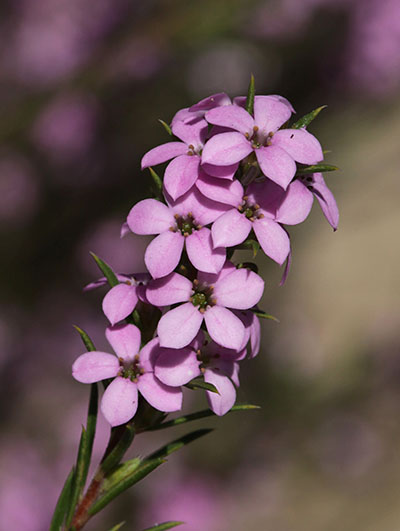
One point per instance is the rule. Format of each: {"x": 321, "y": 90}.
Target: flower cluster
{"x": 237, "y": 175}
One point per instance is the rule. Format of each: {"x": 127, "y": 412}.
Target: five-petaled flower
{"x": 207, "y": 298}
{"x": 276, "y": 151}
{"x": 132, "y": 369}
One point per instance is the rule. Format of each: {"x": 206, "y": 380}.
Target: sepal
{"x": 305, "y": 120}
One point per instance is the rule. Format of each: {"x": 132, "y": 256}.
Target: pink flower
{"x": 314, "y": 183}
{"x": 276, "y": 151}
{"x": 121, "y": 300}
{"x": 252, "y": 331}
{"x": 195, "y": 113}
{"x": 206, "y": 298}
{"x": 180, "y": 223}
{"x": 133, "y": 370}
{"x": 219, "y": 366}
{"x": 263, "y": 208}
{"x": 182, "y": 172}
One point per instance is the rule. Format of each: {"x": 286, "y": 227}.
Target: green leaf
{"x": 84, "y": 452}
{"x": 316, "y": 168}
{"x": 122, "y": 470}
{"x": 173, "y": 446}
{"x": 139, "y": 473}
{"x": 166, "y": 127}
{"x": 62, "y": 503}
{"x": 197, "y": 383}
{"x": 85, "y": 338}
{"x": 106, "y": 270}
{"x": 118, "y": 451}
{"x": 308, "y": 118}
{"x": 118, "y": 526}
{"x": 200, "y": 415}
{"x": 164, "y": 526}
{"x": 157, "y": 181}
{"x": 250, "y": 96}
{"x": 264, "y": 315}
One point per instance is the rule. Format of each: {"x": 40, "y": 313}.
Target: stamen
{"x": 202, "y": 310}
{"x": 247, "y": 135}
{"x": 195, "y": 282}
{"x": 255, "y": 128}
{"x": 176, "y": 216}
{"x": 191, "y": 146}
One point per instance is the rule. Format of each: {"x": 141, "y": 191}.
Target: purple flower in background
{"x": 276, "y": 151}
{"x": 19, "y": 190}
{"x": 66, "y": 127}
{"x": 263, "y": 208}
{"x": 208, "y": 297}
{"x": 132, "y": 370}
{"x": 180, "y": 223}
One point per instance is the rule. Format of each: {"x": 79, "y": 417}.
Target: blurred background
{"x": 82, "y": 85}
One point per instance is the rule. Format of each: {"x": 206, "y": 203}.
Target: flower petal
{"x": 241, "y": 289}
{"x": 231, "y": 116}
{"x": 163, "y": 253}
{"x": 149, "y": 354}
{"x": 225, "y": 149}
{"x": 223, "y": 191}
{"x": 178, "y": 327}
{"x": 191, "y": 133}
{"x": 222, "y": 172}
{"x": 296, "y": 204}
{"x": 204, "y": 257}
{"x": 276, "y": 164}
{"x": 177, "y": 366}
{"x": 300, "y": 144}
{"x": 119, "y": 302}
{"x": 150, "y": 217}
{"x": 163, "y": 153}
{"x": 181, "y": 174}
{"x": 203, "y": 209}
{"x": 230, "y": 229}
{"x": 120, "y": 401}
{"x": 326, "y": 200}
{"x": 220, "y": 403}
{"x": 161, "y": 396}
{"x": 125, "y": 340}
{"x": 95, "y": 366}
{"x": 273, "y": 239}
{"x": 225, "y": 328}
{"x": 270, "y": 113}
{"x": 169, "y": 290}
{"x": 215, "y": 100}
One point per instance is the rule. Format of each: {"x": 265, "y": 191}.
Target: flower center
{"x": 259, "y": 138}
{"x": 250, "y": 210}
{"x": 205, "y": 358}
{"x": 130, "y": 370}
{"x": 203, "y": 296}
{"x": 185, "y": 224}
{"x": 192, "y": 151}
